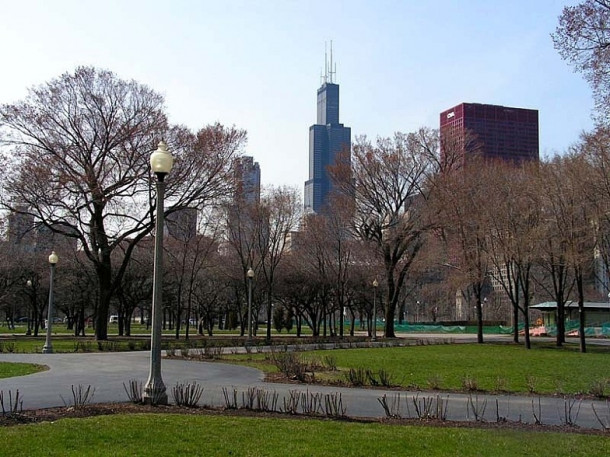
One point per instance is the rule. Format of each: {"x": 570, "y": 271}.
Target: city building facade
{"x": 492, "y": 131}
{"x": 247, "y": 180}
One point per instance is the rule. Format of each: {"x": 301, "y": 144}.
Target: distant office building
{"x": 20, "y": 228}
{"x": 493, "y": 131}
{"x": 182, "y": 224}
{"x": 327, "y": 139}
{"x": 247, "y": 180}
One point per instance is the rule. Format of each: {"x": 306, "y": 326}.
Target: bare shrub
{"x": 81, "y": 396}
{"x": 430, "y": 407}
{"x": 291, "y": 365}
{"x": 14, "y": 406}
{"x": 230, "y": 398}
{"x": 476, "y": 407}
{"x": 391, "y": 407}
{"x": 333, "y": 405}
{"x": 187, "y": 394}
{"x": 134, "y": 391}
{"x": 603, "y": 417}
{"x": 537, "y": 412}
{"x": 571, "y": 410}
{"x": 291, "y": 403}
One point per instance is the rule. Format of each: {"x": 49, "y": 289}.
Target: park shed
{"x": 596, "y": 313}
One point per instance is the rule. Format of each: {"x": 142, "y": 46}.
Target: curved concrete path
{"x": 107, "y": 372}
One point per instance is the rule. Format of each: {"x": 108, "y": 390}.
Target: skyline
{"x": 257, "y": 65}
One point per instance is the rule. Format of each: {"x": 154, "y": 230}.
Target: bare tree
{"x": 458, "y": 199}
{"x": 583, "y": 39}
{"x": 78, "y": 149}
{"x": 513, "y": 215}
{"x": 388, "y": 181}
{"x": 277, "y": 216}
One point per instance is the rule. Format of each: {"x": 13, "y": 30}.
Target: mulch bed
{"x": 103, "y": 409}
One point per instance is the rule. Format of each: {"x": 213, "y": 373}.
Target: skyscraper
{"x": 499, "y": 132}
{"x": 327, "y": 139}
{"x": 247, "y": 180}
{"x": 182, "y": 224}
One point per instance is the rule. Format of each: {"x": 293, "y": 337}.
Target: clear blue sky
{"x": 256, "y": 64}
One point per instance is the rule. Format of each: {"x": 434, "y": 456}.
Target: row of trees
{"x": 424, "y": 231}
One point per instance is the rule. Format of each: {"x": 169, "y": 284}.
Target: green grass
{"x": 492, "y": 367}
{"x": 9, "y": 369}
{"x": 169, "y": 435}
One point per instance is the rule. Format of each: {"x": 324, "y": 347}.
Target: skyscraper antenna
{"x": 331, "y": 72}
{"x": 325, "y": 62}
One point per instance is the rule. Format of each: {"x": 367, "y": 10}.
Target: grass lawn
{"x": 9, "y": 369}
{"x": 176, "y": 434}
{"x": 489, "y": 367}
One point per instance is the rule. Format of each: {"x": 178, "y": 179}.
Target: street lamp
{"x": 161, "y": 162}
{"x": 375, "y": 285}
{"x": 48, "y": 346}
{"x": 250, "y": 275}
{"x": 33, "y": 299}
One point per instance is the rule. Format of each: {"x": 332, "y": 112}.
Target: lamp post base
{"x": 155, "y": 395}
{"x": 47, "y": 349}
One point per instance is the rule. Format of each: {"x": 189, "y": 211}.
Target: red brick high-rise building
{"x": 493, "y": 131}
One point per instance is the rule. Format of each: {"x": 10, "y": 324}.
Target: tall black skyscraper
{"x": 327, "y": 138}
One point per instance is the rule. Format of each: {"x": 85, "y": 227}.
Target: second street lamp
{"x": 48, "y": 346}
{"x": 250, "y": 275}
{"x": 161, "y": 162}
{"x": 375, "y": 285}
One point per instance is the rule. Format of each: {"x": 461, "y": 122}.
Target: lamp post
{"x": 250, "y": 275}
{"x": 33, "y": 300}
{"x": 161, "y": 162}
{"x": 48, "y": 346}
{"x": 375, "y": 285}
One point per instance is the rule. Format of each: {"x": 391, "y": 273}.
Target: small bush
{"x": 469, "y": 383}
{"x": 385, "y": 378}
{"x": 370, "y": 376}
{"x": 501, "y": 384}
{"x": 598, "y": 388}
{"x": 83, "y": 346}
{"x": 531, "y": 382}
{"x": 435, "y": 382}
{"x": 108, "y": 346}
{"x": 330, "y": 361}
{"x": 356, "y": 376}
{"x": 291, "y": 365}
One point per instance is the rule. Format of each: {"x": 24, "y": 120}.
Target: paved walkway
{"x": 107, "y": 372}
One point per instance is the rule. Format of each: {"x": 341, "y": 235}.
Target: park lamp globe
{"x": 161, "y": 161}
{"x": 53, "y": 258}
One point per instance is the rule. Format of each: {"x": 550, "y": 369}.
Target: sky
{"x": 256, "y": 64}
